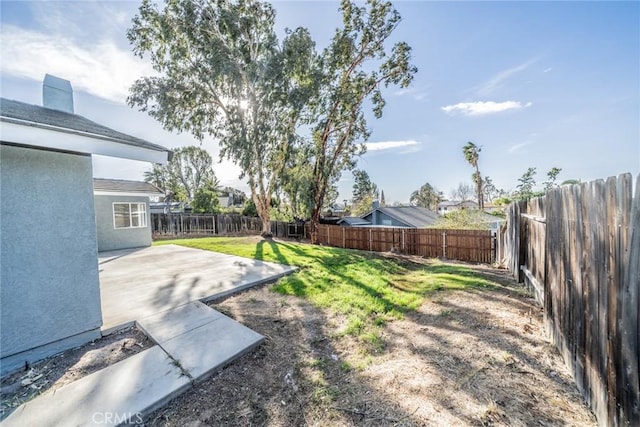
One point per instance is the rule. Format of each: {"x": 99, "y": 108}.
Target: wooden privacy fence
{"x": 463, "y": 245}
{"x": 184, "y": 224}
{"x": 578, "y": 249}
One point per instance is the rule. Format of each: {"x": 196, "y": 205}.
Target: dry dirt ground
{"x": 464, "y": 358}
{"x": 56, "y": 371}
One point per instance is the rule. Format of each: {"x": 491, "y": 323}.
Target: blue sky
{"x": 536, "y": 84}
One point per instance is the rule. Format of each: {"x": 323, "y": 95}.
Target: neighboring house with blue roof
{"x": 50, "y": 289}
{"x": 353, "y": 221}
{"x": 401, "y": 216}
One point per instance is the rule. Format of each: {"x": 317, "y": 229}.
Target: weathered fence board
{"x": 581, "y": 244}
{"x": 185, "y": 224}
{"x": 463, "y": 245}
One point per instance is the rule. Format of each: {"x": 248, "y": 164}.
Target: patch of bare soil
{"x": 464, "y": 358}
{"x": 71, "y": 365}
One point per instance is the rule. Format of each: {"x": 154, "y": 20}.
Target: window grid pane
{"x": 129, "y": 215}
{"x": 121, "y": 217}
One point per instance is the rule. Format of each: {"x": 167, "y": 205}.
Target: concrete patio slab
{"x": 123, "y": 392}
{"x": 142, "y": 282}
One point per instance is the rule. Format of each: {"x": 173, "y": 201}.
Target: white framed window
{"x": 386, "y": 222}
{"x": 129, "y": 215}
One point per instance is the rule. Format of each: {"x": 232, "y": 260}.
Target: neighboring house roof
{"x": 28, "y": 124}
{"x": 103, "y": 186}
{"x": 354, "y": 220}
{"x": 412, "y": 216}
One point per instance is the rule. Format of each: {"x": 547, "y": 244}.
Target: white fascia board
{"x": 77, "y": 142}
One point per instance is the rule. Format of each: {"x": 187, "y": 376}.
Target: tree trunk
{"x": 266, "y": 227}
{"x": 479, "y": 189}
{"x": 263, "y": 212}
{"x": 315, "y": 220}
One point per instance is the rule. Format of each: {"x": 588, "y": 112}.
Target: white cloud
{"x": 517, "y": 147}
{"x": 406, "y": 146}
{"x": 483, "y": 107}
{"x": 498, "y": 79}
{"x": 546, "y": 70}
{"x": 103, "y": 69}
{"x": 416, "y": 93}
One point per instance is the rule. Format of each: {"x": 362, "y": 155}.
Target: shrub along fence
{"x": 578, "y": 249}
{"x": 463, "y": 245}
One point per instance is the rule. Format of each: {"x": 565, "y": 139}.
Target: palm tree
{"x": 472, "y": 154}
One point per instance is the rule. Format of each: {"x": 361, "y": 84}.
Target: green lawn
{"x": 367, "y": 288}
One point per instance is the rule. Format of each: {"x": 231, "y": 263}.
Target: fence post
{"x": 444, "y": 244}
{"x": 403, "y": 249}
{"x": 344, "y": 238}
{"x": 370, "y": 243}
{"x": 328, "y": 235}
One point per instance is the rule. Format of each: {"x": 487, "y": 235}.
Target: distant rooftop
{"x": 354, "y": 220}
{"x": 415, "y": 216}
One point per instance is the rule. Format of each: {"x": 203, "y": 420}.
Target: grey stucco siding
{"x": 49, "y": 283}
{"x": 111, "y": 238}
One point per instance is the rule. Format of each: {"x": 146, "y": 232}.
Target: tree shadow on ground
{"x": 296, "y": 377}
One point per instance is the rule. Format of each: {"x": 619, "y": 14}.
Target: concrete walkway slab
{"x": 163, "y": 326}
{"x": 141, "y": 282}
{"x": 122, "y": 392}
{"x": 199, "y": 338}
{"x": 208, "y": 348}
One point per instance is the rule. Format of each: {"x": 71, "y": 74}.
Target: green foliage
{"x": 489, "y": 189}
{"x": 249, "y": 208}
{"x": 363, "y": 188}
{"x": 463, "y": 219}
{"x": 427, "y": 197}
{"x": 354, "y": 69}
{"x": 206, "y": 201}
{"x": 502, "y": 201}
{"x": 552, "y": 176}
{"x": 297, "y": 184}
{"x": 368, "y": 289}
{"x": 362, "y": 206}
{"x": 189, "y": 170}
{"x": 524, "y": 190}
{"x": 221, "y": 72}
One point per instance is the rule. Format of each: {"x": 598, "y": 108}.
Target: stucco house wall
{"x": 48, "y": 254}
{"x": 111, "y": 238}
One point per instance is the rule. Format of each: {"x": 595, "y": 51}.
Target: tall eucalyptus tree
{"x": 222, "y": 73}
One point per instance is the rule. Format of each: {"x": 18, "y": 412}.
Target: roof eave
{"x": 61, "y": 139}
